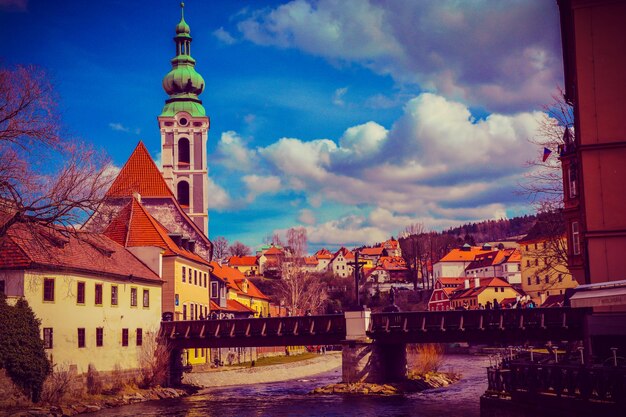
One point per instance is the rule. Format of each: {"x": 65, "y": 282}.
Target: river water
{"x": 292, "y": 398}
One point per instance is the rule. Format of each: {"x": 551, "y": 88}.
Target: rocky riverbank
{"x": 414, "y": 384}
{"x": 97, "y": 403}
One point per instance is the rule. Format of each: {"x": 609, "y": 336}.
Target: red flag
{"x": 546, "y": 154}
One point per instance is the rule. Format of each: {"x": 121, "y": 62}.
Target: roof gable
{"x": 139, "y": 175}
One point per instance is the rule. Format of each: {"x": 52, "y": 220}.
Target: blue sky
{"x": 351, "y": 118}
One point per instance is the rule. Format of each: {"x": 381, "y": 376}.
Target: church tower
{"x": 184, "y": 129}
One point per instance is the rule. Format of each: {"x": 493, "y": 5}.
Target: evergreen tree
{"x": 22, "y": 352}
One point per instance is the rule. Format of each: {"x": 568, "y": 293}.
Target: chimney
{"x": 467, "y": 284}
{"x": 137, "y": 196}
{"x": 476, "y": 282}
{"x": 192, "y": 245}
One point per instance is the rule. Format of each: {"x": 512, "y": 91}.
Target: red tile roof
{"x": 242, "y": 261}
{"x": 273, "y": 251}
{"x": 36, "y": 247}
{"x": 377, "y": 251}
{"x": 234, "y": 279}
{"x": 310, "y": 260}
{"x": 323, "y": 254}
{"x": 139, "y": 175}
{"x": 232, "y": 306}
{"x": 134, "y": 226}
{"x": 463, "y": 255}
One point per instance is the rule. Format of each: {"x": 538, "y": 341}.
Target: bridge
{"x": 374, "y": 344}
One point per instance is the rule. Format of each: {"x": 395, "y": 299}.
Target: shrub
{"x": 424, "y": 358}
{"x": 153, "y": 362}
{"x": 22, "y": 352}
{"x": 94, "y": 383}
{"x": 58, "y": 384}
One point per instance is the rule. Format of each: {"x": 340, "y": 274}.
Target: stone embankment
{"x": 414, "y": 384}
{"x": 88, "y": 406}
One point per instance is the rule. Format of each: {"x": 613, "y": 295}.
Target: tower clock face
{"x": 183, "y": 121}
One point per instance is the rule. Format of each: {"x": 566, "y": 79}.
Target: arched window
{"x": 183, "y": 193}
{"x": 183, "y": 151}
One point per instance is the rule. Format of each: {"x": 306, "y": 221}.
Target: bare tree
{"x": 297, "y": 241}
{"x": 543, "y": 183}
{"x": 44, "y": 178}
{"x": 273, "y": 239}
{"x": 239, "y": 249}
{"x": 220, "y": 248}
{"x": 413, "y": 251}
{"x": 299, "y": 289}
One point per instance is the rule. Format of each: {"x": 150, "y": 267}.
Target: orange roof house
{"x": 186, "y": 274}
{"x": 140, "y": 178}
{"x": 454, "y": 263}
{"x": 237, "y": 287}
{"x": 248, "y": 265}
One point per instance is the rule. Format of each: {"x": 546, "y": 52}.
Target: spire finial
{"x": 182, "y": 10}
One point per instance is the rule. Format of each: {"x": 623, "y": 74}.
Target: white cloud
{"x": 118, "y": 127}
{"x": 257, "y": 185}
{"x": 348, "y": 230}
{"x": 436, "y": 165}
{"x": 234, "y": 154}
{"x": 503, "y": 56}
{"x": 307, "y": 216}
{"x": 223, "y": 36}
{"x": 338, "y": 96}
{"x": 218, "y": 197}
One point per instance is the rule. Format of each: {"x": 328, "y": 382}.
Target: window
{"x": 184, "y": 312}
{"x": 113, "y": 295}
{"x": 537, "y": 279}
{"x": 2, "y": 287}
{"x": 527, "y": 262}
{"x": 81, "y": 337}
{"x": 47, "y": 337}
{"x": 48, "y": 289}
{"x": 139, "y": 337}
{"x": 546, "y": 279}
{"x": 571, "y": 177}
{"x": 214, "y": 290}
{"x": 183, "y": 151}
{"x": 195, "y": 277}
{"x": 575, "y": 239}
{"x": 80, "y": 292}
{"x": 183, "y": 193}
{"x": 99, "y": 336}
{"x": 184, "y": 273}
{"x": 535, "y": 246}
{"x": 528, "y": 280}
{"x": 146, "y": 298}
{"x": 205, "y": 280}
{"x": 536, "y": 262}
{"x": 133, "y": 297}
{"x": 192, "y": 312}
{"x": 560, "y": 278}
{"x": 124, "y": 337}
{"x": 98, "y": 294}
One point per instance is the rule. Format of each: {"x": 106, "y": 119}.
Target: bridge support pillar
{"x": 174, "y": 368}
{"x": 367, "y": 361}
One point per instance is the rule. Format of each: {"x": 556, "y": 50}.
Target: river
{"x": 291, "y": 398}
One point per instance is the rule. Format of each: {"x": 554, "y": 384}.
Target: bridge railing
{"x": 253, "y": 327}
{"x": 476, "y": 320}
{"x": 588, "y": 383}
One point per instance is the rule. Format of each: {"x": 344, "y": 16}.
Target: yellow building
{"x": 241, "y": 289}
{"x": 545, "y": 275}
{"x": 98, "y": 304}
{"x": 477, "y": 292}
{"x": 185, "y": 274}
{"x": 248, "y": 265}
